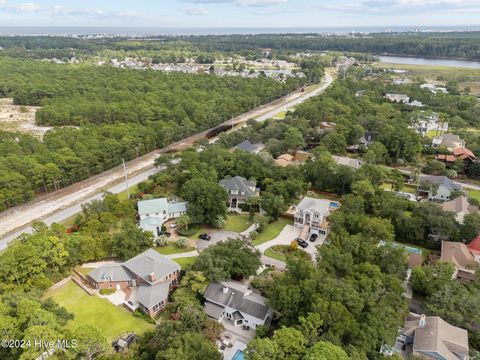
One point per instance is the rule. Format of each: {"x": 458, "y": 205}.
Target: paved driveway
{"x": 217, "y": 236}
{"x": 286, "y": 236}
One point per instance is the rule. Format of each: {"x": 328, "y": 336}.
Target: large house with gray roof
{"x": 311, "y": 216}
{"x": 236, "y": 303}
{"x": 146, "y": 279}
{"x": 154, "y": 213}
{"x": 437, "y": 188}
{"x": 239, "y": 191}
{"x": 247, "y": 146}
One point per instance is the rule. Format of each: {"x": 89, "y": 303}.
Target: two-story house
{"x": 437, "y": 188}
{"x": 146, "y": 279}
{"x": 237, "y": 304}
{"x": 311, "y": 216}
{"x": 239, "y": 191}
{"x": 154, "y": 213}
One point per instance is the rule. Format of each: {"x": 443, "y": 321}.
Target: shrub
{"x": 220, "y": 222}
{"x": 140, "y": 314}
{"x": 107, "y": 291}
{"x": 182, "y": 242}
{"x": 187, "y": 232}
{"x": 162, "y": 241}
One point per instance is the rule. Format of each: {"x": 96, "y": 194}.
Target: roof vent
{"x": 153, "y": 277}
{"x": 225, "y": 289}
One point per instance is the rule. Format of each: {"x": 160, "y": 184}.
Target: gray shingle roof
{"x": 115, "y": 272}
{"x": 441, "y": 180}
{"x": 249, "y": 147}
{"x": 239, "y": 184}
{"x": 149, "y": 262}
{"x": 149, "y": 296}
{"x": 236, "y": 299}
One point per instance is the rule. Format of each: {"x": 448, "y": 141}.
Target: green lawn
{"x": 111, "y": 320}
{"x": 124, "y": 196}
{"x": 83, "y": 270}
{"x": 172, "y": 248}
{"x": 186, "y": 261}
{"x": 271, "y": 231}
{"x": 474, "y": 194}
{"x": 237, "y": 223}
{"x": 408, "y": 188}
{"x": 280, "y": 250}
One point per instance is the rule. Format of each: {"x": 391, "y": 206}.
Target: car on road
{"x": 313, "y": 237}
{"x": 302, "y": 243}
{"x": 205, "y": 237}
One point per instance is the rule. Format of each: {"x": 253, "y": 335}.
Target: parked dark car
{"x": 313, "y": 237}
{"x": 302, "y": 243}
{"x": 205, "y": 237}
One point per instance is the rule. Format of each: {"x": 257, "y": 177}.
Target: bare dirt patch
{"x": 20, "y": 118}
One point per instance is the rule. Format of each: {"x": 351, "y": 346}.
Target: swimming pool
{"x": 409, "y": 249}
{"x": 238, "y": 355}
{"x": 334, "y": 205}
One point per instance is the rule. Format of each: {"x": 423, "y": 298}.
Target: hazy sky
{"x": 239, "y": 13}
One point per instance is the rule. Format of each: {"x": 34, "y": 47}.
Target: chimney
{"x": 423, "y": 321}
{"x": 153, "y": 277}
{"x": 225, "y": 289}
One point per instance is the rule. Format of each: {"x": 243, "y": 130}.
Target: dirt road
{"x": 66, "y": 202}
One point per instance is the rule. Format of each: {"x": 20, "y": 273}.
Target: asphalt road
{"x": 62, "y": 212}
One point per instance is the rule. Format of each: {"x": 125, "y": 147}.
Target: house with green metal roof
{"x": 155, "y": 212}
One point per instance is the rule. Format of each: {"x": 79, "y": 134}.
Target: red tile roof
{"x": 474, "y": 246}
{"x": 463, "y": 153}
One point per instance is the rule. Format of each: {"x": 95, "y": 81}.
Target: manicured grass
{"x": 186, "y": 261}
{"x": 474, "y": 194}
{"x": 111, "y": 320}
{"x": 237, "y": 223}
{"x": 172, "y": 248}
{"x": 124, "y": 196}
{"x": 407, "y": 188}
{"x": 279, "y": 252}
{"x": 271, "y": 231}
{"x": 83, "y": 270}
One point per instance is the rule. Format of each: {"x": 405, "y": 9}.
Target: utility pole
{"x": 126, "y": 178}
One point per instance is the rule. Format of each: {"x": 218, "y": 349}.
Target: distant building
{"x": 463, "y": 154}
{"x": 415, "y": 103}
{"x": 398, "y": 98}
{"x": 449, "y": 141}
{"x": 429, "y": 122}
{"x": 249, "y": 147}
{"x": 346, "y": 161}
{"x": 146, "y": 279}
{"x": 299, "y": 158}
{"x": 434, "y": 89}
{"x": 236, "y": 304}
{"x": 239, "y": 191}
{"x": 154, "y": 213}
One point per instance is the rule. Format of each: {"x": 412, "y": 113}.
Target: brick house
{"x": 146, "y": 279}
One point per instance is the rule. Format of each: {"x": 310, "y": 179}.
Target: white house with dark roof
{"x": 146, "y": 280}
{"x": 154, "y": 213}
{"x": 236, "y": 303}
{"x": 311, "y": 216}
{"x": 437, "y": 188}
{"x": 239, "y": 191}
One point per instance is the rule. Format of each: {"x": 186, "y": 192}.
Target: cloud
{"x": 195, "y": 11}
{"x": 246, "y": 3}
{"x": 19, "y": 7}
{"x": 395, "y": 7}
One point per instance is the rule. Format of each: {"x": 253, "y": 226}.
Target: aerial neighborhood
{"x": 240, "y": 196}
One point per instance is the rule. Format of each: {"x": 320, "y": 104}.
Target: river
{"x": 431, "y": 62}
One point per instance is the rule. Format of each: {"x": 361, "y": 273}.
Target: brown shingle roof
{"x": 460, "y": 204}
{"x": 458, "y": 254}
